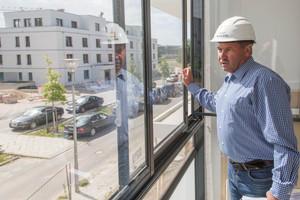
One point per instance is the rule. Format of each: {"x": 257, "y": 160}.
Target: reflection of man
{"x": 255, "y": 126}
{"x": 127, "y": 85}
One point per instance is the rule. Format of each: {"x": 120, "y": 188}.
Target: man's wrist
{"x": 280, "y": 191}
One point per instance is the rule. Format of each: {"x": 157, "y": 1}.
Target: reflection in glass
{"x": 167, "y": 91}
{"x": 80, "y": 34}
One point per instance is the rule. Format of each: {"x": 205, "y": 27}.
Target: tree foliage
{"x": 132, "y": 68}
{"x": 163, "y": 67}
{"x": 52, "y": 90}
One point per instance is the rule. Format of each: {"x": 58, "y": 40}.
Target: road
{"x": 97, "y": 157}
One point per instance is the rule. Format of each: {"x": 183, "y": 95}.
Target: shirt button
{"x": 222, "y": 143}
{"x": 220, "y": 127}
{"x": 222, "y": 110}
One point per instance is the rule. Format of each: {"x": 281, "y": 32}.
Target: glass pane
{"x": 110, "y": 148}
{"x": 167, "y": 96}
{"x": 162, "y": 184}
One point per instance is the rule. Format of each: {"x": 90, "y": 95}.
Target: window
{"x": 131, "y": 44}
{"x": 74, "y": 24}
{"x": 1, "y": 60}
{"x": 16, "y": 23}
{"x": 110, "y": 57}
{"x": 69, "y": 56}
{"x": 109, "y": 45}
{"x": 1, "y": 76}
{"x": 69, "y": 77}
{"x": 68, "y": 41}
{"x": 17, "y": 39}
{"x": 27, "y": 22}
{"x": 86, "y": 74}
{"x": 38, "y": 22}
{"x": 59, "y": 22}
{"x": 28, "y": 59}
{"x": 20, "y": 76}
{"x": 27, "y": 39}
{"x": 97, "y": 27}
{"x": 98, "y": 44}
{"x": 85, "y": 58}
{"x": 0, "y": 42}
{"x": 98, "y": 58}
{"x": 30, "y": 78}
{"x": 84, "y": 42}
{"x": 19, "y": 60}
{"x": 153, "y": 46}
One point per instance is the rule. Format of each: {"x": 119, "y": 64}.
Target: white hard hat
{"x": 234, "y": 29}
{"x": 115, "y": 34}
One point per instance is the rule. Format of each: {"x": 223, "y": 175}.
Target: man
{"x": 254, "y": 120}
{"x": 127, "y": 86}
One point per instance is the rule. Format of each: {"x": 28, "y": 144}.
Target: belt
{"x": 252, "y": 165}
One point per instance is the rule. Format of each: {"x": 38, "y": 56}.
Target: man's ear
{"x": 248, "y": 50}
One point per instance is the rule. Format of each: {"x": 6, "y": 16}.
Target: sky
{"x": 165, "y": 28}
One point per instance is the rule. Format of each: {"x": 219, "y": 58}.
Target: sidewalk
{"x": 33, "y": 146}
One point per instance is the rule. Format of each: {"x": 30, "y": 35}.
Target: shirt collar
{"x": 122, "y": 74}
{"x": 239, "y": 74}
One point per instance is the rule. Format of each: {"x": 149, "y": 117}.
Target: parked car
{"x": 89, "y": 124}
{"x": 179, "y": 86}
{"x": 35, "y": 116}
{"x": 171, "y": 89}
{"x": 159, "y": 95}
{"x": 173, "y": 78}
{"x": 85, "y": 103}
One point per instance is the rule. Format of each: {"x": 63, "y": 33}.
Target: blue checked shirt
{"x": 254, "y": 121}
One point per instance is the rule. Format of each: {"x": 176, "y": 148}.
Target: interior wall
{"x": 278, "y": 36}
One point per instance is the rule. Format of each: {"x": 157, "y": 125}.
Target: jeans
{"x": 250, "y": 183}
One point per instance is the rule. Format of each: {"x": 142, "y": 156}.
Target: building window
{"x": 98, "y": 58}
{"x": 131, "y": 44}
{"x": 98, "y": 43}
{"x": 30, "y": 78}
{"x": 19, "y": 60}
{"x": 38, "y": 22}
{"x": 17, "y": 42}
{"x": 68, "y": 41}
{"x": 0, "y": 42}
{"x": 110, "y": 57}
{"x": 153, "y": 56}
{"x": 20, "y": 76}
{"x": 27, "y": 22}
{"x": 85, "y": 58}
{"x": 1, "y": 60}
{"x": 97, "y": 27}
{"x": 153, "y": 46}
{"x": 84, "y": 42}
{"x": 109, "y": 45}
{"x": 69, "y": 77}
{"x": 27, "y": 39}
{"x": 28, "y": 59}
{"x": 1, "y": 76}
{"x": 74, "y": 24}
{"x": 59, "y": 22}
{"x": 86, "y": 74}
{"x": 16, "y": 23}
{"x": 69, "y": 56}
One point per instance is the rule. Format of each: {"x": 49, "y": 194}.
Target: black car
{"x": 88, "y": 124}
{"x": 35, "y": 116}
{"x": 159, "y": 95}
{"x": 85, "y": 103}
{"x": 171, "y": 89}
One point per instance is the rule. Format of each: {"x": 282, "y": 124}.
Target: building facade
{"x": 31, "y": 35}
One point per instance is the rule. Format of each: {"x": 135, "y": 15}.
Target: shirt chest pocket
{"x": 242, "y": 101}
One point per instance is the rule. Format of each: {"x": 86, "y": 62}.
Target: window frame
{"x": 27, "y": 41}
{"x": 69, "y": 41}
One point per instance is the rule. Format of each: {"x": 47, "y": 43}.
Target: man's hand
{"x": 187, "y": 77}
{"x": 270, "y": 196}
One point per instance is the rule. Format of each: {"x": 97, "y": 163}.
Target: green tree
{"x": 179, "y": 58}
{"x": 163, "y": 67}
{"x": 132, "y": 68}
{"x": 53, "y": 91}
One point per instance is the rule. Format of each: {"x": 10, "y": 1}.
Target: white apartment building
{"x": 30, "y": 35}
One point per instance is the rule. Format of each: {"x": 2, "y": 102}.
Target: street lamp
{"x": 72, "y": 65}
